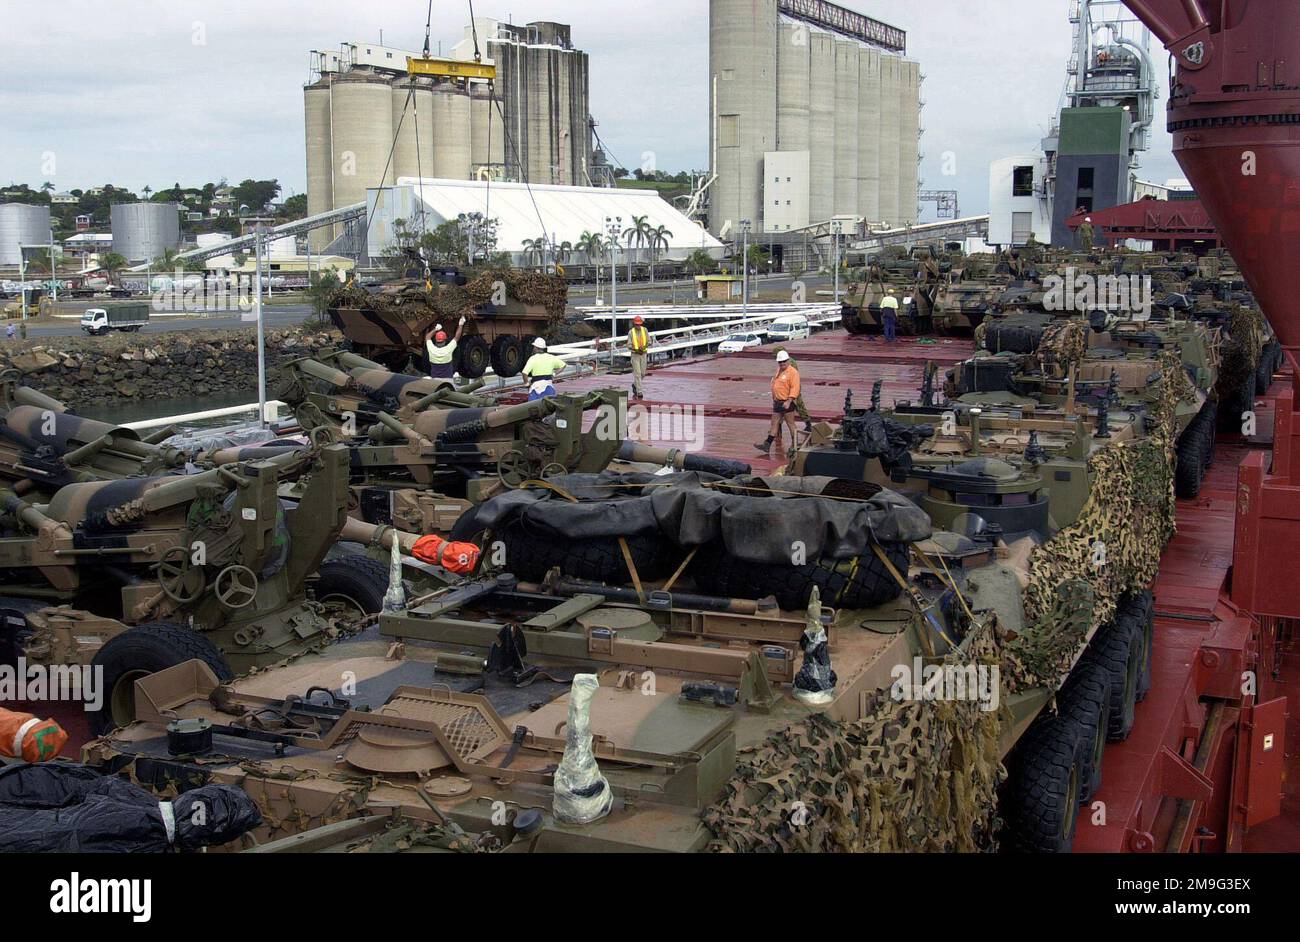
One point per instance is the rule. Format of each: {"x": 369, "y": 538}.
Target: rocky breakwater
{"x": 84, "y": 371}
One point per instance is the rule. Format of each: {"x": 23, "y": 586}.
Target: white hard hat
{"x": 782, "y": 357}
{"x": 539, "y": 343}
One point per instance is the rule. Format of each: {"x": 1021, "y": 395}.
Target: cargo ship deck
{"x": 731, "y": 396}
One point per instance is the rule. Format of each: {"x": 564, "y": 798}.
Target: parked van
{"x": 790, "y": 327}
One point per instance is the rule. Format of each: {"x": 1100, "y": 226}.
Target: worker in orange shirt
{"x": 785, "y": 393}
{"x": 638, "y": 344}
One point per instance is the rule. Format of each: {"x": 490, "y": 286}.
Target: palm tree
{"x": 637, "y": 233}
{"x": 699, "y": 262}
{"x": 147, "y": 190}
{"x": 563, "y": 251}
{"x": 658, "y": 237}
{"x": 535, "y": 249}
{"x": 111, "y": 263}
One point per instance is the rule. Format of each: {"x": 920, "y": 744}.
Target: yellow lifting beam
{"x": 450, "y": 68}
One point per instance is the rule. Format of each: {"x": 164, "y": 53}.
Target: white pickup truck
{"x": 125, "y": 317}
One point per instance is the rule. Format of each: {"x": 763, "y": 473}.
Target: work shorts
{"x": 781, "y": 408}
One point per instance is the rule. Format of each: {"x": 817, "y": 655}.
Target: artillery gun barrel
{"x": 26, "y": 396}
{"x": 450, "y": 396}
{"x": 682, "y": 460}
{"x": 29, "y": 515}
{"x": 354, "y": 362}
{"x": 323, "y": 371}
{"x": 180, "y": 489}
{"x": 357, "y": 531}
{"x": 404, "y": 431}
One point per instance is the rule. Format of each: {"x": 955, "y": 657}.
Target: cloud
{"x": 149, "y": 92}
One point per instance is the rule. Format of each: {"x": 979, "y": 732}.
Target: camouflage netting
{"x": 913, "y": 775}
{"x": 1243, "y": 343}
{"x": 450, "y": 302}
{"x": 1063, "y": 345}
{"x": 1113, "y": 548}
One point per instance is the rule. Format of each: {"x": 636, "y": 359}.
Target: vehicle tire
{"x": 1209, "y": 416}
{"x": 1264, "y": 372}
{"x": 1040, "y": 800}
{"x": 1119, "y": 648}
{"x": 1192, "y": 451}
{"x": 530, "y": 555}
{"x": 144, "y": 650}
{"x": 863, "y": 582}
{"x": 508, "y": 356}
{"x": 1085, "y": 701}
{"x": 473, "y": 357}
{"x": 355, "y": 580}
{"x": 1143, "y": 607}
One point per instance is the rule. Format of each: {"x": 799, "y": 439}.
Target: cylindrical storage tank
{"x": 869, "y": 134}
{"x": 540, "y": 157}
{"x": 487, "y": 130}
{"x": 209, "y": 240}
{"x": 821, "y": 168}
{"x": 580, "y": 118}
{"x": 909, "y": 141}
{"x": 283, "y": 247}
{"x": 320, "y": 175}
{"x": 22, "y": 224}
{"x": 561, "y": 125}
{"x": 142, "y": 232}
{"x": 451, "y": 132}
{"x": 413, "y": 110}
{"x": 890, "y": 67}
{"x": 846, "y": 126}
{"x": 362, "y": 135}
{"x": 793, "y": 105}
{"x": 743, "y": 36}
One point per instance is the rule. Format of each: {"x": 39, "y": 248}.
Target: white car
{"x": 737, "y": 342}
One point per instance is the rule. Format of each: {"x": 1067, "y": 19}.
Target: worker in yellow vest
{"x": 540, "y": 372}
{"x": 638, "y": 344}
{"x": 442, "y": 351}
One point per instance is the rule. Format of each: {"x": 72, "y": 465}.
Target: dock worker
{"x": 889, "y": 315}
{"x": 10, "y": 331}
{"x": 785, "y": 393}
{"x": 638, "y": 344}
{"x": 540, "y": 371}
{"x": 442, "y": 350}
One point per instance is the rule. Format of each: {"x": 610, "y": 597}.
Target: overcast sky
{"x": 137, "y": 92}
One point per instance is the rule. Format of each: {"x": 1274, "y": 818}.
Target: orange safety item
{"x": 460, "y": 558}
{"x": 23, "y": 736}
{"x": 786, "y": 385}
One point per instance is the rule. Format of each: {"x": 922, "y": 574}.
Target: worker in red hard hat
{"x": 442, "y": 351}
{"x": 638, "y": 345}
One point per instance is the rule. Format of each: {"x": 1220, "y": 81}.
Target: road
{"x": 287, "y": 315}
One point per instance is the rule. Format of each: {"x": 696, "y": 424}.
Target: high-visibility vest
{"x": 638, "y": 339}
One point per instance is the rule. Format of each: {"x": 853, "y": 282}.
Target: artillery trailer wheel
{"x": 508, "y": 355}
{"x": 236, "y": 587}
{"x": 513, "y": 469}
{"x": 1085, "y": 701}
{"x": 1040, "y": 802}
{"x": 554, "y": 469}
{"x": 181, "y": 581}
{"x": 139, "y": 652}
{"x": 1119, "y": 648}
{"x": 355, "y": 581}
{"x": 473, "y": 357}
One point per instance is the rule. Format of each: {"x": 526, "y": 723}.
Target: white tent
{"x": 561, "y": 213}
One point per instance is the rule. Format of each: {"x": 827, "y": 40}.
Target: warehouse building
{"x": 369, "y": 122}
{"x": 816, "y": 115}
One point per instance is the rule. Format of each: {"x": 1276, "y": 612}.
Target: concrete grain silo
{"x": 847, "y": 119}
{"x": 413, "y": 128}
{"x": 821, "y": 197}
{"x": 22, "y": 224}
{"x": 487, "y": 133}
{"x": 909, "y": 143}
{"x": 793, "y": 88}
{"x": 869, "y": 134}
{"x": 361, "y": 135}
{"x": 451, "y": 132}
{"x": 320, "y": 171}
{"x": 143, "y": 232}
{"x": 890, "y": 92}
{"x": 742, "y": 56}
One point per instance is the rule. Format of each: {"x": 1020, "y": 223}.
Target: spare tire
{"x": 860, "y": 582}
{"x": 138, "y": 652}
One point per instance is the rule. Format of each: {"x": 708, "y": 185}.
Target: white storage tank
{"x": 869, "y": 134}
{"x": 890, "y": 138}
{"x": 487, "y": 130}
{"x": 22, "y": 224}
{"x": 413, "y": 154}
{"x": 361, "y": 135}
{"x": 320, "y": 172}
{"x": 143, "y": 232}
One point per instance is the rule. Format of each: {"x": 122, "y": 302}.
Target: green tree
{"x": 637, "y": 233}
{"x": 111, "y": 263}
{"x": 255, "y": 194}
{"x": 593, "y": 245}
{"x": 700, "y": 262}
{"x": 657, "y": 239}
{"x": 321, "y": 289}
{"x": 295, "y": 207}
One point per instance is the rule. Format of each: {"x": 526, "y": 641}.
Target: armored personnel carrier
{"x": 506, "y": 309}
